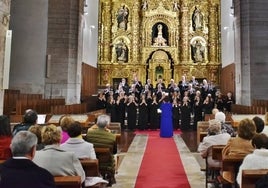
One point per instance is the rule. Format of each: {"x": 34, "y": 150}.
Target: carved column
{"x": 213, "y": 33}
{"x": 136, "y": 30}
{"x": 107, "y": 22}
{"x": 184, "y": 44}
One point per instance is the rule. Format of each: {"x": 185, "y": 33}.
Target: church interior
{"x": 72, "y": 50}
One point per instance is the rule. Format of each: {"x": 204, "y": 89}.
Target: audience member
{"x": 29, "y": 119}
{"x": 258, "y": 159}
{"x": 64, "y": 123}
{"x": 240, "y": 145}
{"x": 5, "y": 137}
{"x": 265, "y": 129}
{"x": 20, "y": 171}
{"x": 57, "y": 161}
{"x": 103, "y": 139}
{"x": 214, "y": 137}
{"x": 259, "y": 123}
{"x": 220, "y": 116}
{"x": 77, "y": 144}
{"x": 37, "y": 130}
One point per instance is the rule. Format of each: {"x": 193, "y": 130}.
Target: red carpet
{"x": 161, "y": 166}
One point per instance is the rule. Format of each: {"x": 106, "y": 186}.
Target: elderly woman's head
{"x": 246, "y": 129}
{"x": 103, "y": 121}
{"x": 51, "y": 135}
{"x": 220, "y": 116}
{"x": 65, "y": 121}
{"x": 214, "y": 127}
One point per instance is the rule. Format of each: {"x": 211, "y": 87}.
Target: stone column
{"x": 107, "y": 22}
{"x": 136, "y": 30}
{"x": 213, "y": 33}
{"x": 184, "y": 44}
{"x": 4, "y": 25}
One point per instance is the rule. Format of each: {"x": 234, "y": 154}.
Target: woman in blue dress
{"x": 166, "y": 125}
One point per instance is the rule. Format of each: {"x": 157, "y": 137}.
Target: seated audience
{"x": 5, "y": 137}
{"x": 239, "y": 145}
{"x": 57, "y": 161}
{"x": 29, "y": 119}
{"x": 265, "y": 129}
{"x": 259, "y": 123}
{"x": 103, "y": 139}
{"x": 37, "y": 130}
{"x": 258, "y": 159}
{"x": 214, "y": 137}
{"x": 220, "y": 116}
{"x": 19, "y": 171}
{"x": 77, "y": 144}
{"x": 82, "y": 150}
{"x": 64, "y": 123}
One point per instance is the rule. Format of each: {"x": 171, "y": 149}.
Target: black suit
{"x": 16, "y": 173}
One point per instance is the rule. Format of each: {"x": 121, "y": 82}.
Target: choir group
{"x": 139, "y": 104}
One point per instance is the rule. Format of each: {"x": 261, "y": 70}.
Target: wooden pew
{"x": 202, "y": 127}
{"x": 231, "y": 164}
{"x": 69, "y": 109}
{"x": 242, "y": 109}
{"x": 217, "y": 152}
{"x": 250, "y": 177}
{"x": 115, "y": 128}
{"x": 42, "y": 106}
{"x": 212, "y": 172}
{"x": 67, "y": 181}
{"x": 90, "y": 166}
{"x": 228, "y": 117}
{"x": 104, "y": 155}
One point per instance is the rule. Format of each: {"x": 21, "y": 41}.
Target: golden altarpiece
{"x": 159, "y": 39}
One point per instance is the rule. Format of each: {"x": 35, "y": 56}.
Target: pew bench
{"x": 90, "y": 166}
{"x": 67, "y": 181}
{"x": 202, "y": 127}
{"x": 212, "y": 172}
{"x": 230, "y": 166}
{"x": 250, "y": 177}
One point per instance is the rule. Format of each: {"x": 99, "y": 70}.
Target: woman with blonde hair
{"x": 57, "y": 161}
{"x": 64, "y": 123}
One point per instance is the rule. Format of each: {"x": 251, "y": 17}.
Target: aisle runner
{"x": 161, "y": 166}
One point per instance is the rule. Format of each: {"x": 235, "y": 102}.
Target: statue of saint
{"x": 197, "y": 19}
{"x": 198, "y": 51}
{"x": 176, "y": 6}
{"x": 160, "y": 40}
{"x": 122, "y": 17}
{"x": 121, "y": 51}
{"x": 145, "y": 5}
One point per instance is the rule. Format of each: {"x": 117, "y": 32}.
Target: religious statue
{"x": 122, "y": 17}
{"x": 197, "y": 19}
{"x": 198, "y": 51}
{"x": 176, "y": 7}
{"x": 121, "y": 51}
{"x": 159, "y": 40}
{"x": 145, "y": 5}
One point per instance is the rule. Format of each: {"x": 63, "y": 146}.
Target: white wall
{"x": 227, "y": 33}
{"x": 90, "y": 33}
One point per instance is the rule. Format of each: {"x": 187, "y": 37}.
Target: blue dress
{"x": 166, "y": 125}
